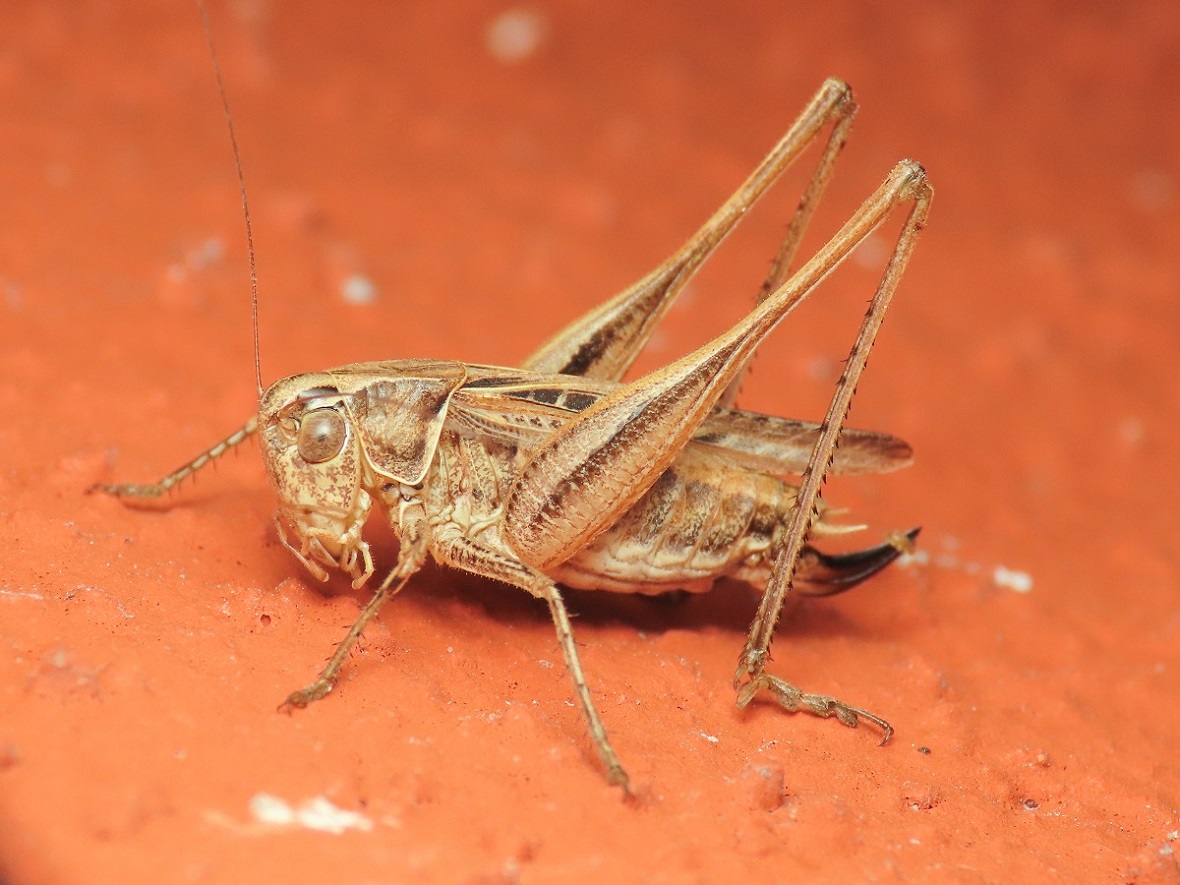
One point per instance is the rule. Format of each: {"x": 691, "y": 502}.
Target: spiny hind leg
{"x": 780, "y": 266}
{"x": 751, "y": 677}
{"x": 794, "y": 700}
{"x": 582, "y": 478}
{"x": 605, "y": 341}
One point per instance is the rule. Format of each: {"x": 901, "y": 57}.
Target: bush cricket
{"x": 558, "y": 472}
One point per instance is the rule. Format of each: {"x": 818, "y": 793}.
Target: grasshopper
{"x": 558, "y": 472}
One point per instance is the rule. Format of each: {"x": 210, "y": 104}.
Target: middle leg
{"x": 459, "y": 551}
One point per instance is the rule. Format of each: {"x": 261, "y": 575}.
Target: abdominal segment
{"x": 704, "y": 518}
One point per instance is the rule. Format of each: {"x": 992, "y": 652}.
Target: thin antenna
{"x": 233, "y": 140}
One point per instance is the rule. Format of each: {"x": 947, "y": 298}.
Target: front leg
{"x": 414, "y": 533}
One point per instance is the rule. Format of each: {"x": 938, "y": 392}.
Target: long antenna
{"x": 233, "y": 140}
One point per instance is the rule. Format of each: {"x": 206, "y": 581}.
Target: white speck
{"x": 450, "y": 650}
{"x": 820, "y": 368}
{"x": 1167, "y": 851}
{"x": 209, "y": 252}
{"x": 515, "y": 34}
{"x": 1173, "y": 835}
{"x": 1152, "y": 189}
{"x": 548, "y": 665}
{"x": 58, "y": 175}
{"x": 20, "y": 594}
{"x": 358, "y": 289}
{"x": 1021, "y": 582}
{"x": 918, "y": 557}
{"x": 871, "y": 254}
{"x": 1131, "y": 431}
{"x": 269, "y": 809}
{"x": 710, "y": 738}
{"x": 315, "y": 814}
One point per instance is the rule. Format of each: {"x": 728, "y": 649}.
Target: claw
{"x": 824, "y": 574}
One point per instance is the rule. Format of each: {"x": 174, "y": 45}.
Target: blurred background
{"x": 458, "y": 180}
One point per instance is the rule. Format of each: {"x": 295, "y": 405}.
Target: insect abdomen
{"x": 703, "y": 519}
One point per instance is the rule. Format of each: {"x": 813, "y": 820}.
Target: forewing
{"x": 782, "y": 446}
{"x": 515, "y": 407}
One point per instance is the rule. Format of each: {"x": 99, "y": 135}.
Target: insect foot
{"x": 793, "y": 699}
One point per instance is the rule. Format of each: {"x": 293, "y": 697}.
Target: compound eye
{"x": 321, "y": 435}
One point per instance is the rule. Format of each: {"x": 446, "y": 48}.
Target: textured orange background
{"x": 1029, "y": 358}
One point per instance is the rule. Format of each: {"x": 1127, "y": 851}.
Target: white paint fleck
{"x": 209, "y": 252}
{"x": 317, "y": 814}
{"x": 871, "y": 253}
{"x": 711, "y": 738}
{"x": 1152, "y": 190}
{"x": 918, "y": 557}
{"x": 1131, "y": 431}
{"x": 13, "y": 294}
{"x": 58, "y": 175}
{"x": 358, "y": 289}
{"x": 19, "y": 594}
{"x": 1021, "y": 582}
{"x": 821, "y": 368}
{"x": 515, "y": 34}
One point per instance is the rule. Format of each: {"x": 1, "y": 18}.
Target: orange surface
{"x": 1029, "y": 358}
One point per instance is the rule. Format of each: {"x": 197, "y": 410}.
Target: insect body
{"x": 559, "y": 472}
